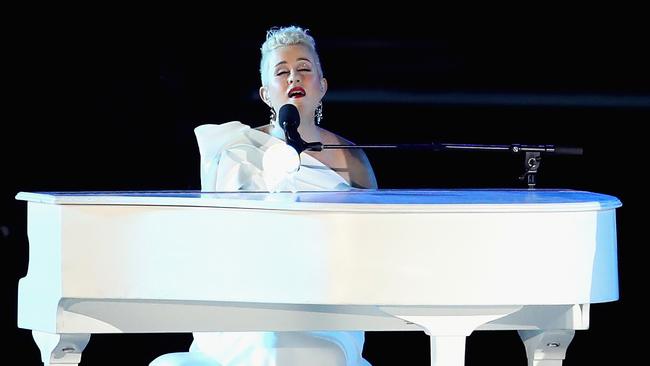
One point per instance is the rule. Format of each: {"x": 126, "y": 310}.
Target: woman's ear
{"x": 264, "y": 95}
{"x": 323, "y": 85}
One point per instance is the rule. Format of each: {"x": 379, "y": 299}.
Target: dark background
{"x": 85, "y": 111}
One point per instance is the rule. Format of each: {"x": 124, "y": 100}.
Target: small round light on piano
{"x": 553, "y": 344}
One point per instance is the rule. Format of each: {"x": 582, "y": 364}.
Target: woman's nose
{"x": 294, "y": 78}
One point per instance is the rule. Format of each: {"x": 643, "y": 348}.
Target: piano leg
{"x": 546, "y": 347}
{"x": 447, "y": 350}
{"x": 60, "y": 349}
{"x": 448, "y": 326}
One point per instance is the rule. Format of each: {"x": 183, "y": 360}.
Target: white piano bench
{"x": 183, "y": 359}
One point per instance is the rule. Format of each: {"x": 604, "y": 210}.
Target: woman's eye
{"x": 281, "y": 72}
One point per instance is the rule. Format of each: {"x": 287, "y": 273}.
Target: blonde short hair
{"x": 286, "y": 36}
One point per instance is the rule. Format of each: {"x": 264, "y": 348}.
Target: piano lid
{"x": 493, "y": 200}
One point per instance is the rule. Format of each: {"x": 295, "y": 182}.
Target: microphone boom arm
{"x": 532, "y": 158}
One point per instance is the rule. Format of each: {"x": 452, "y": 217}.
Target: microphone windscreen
{"x": 288, "y": 116}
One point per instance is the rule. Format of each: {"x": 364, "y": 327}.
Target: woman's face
{"x": 293, "y": 78}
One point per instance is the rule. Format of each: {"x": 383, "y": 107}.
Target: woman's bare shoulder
{"x": 361, "y": 172}
{"x": 330, "y": 137}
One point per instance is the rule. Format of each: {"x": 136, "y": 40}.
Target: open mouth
{"x": 297, "y": 92}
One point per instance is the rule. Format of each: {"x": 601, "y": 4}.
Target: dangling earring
{"x": 319, "y": 113}
{"x": 272, "y": 118}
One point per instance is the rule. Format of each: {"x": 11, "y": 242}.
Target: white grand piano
{"x": 444, "y": 261}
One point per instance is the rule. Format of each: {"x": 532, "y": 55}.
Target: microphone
{"x": 282, "y": 159}
{"x": 289, "y": 119}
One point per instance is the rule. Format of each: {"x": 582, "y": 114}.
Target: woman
{"x": 236, "y": 157}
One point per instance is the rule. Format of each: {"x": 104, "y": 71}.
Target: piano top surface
{"x": 354, "y": 199}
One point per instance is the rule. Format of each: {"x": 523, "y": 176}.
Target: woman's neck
{"x": 309, "y": 131}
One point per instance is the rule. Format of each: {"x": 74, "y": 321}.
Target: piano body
{"x": 444, "y": 261}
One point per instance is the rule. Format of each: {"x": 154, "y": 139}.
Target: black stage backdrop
{"x": 85, "y": 111}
